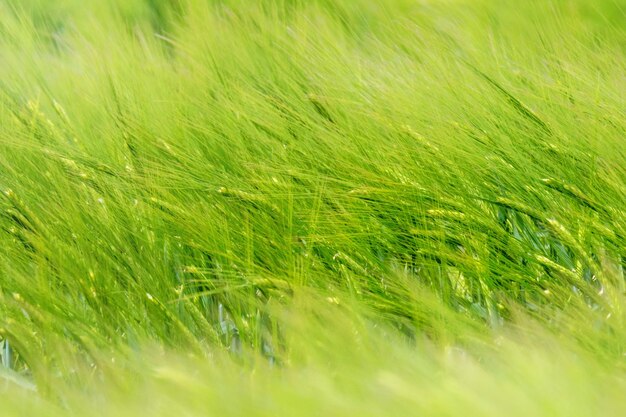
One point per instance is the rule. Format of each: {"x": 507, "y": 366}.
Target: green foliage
{"x": 296, "y": 207}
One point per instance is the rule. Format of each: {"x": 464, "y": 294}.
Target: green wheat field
{"x": 313, "y": 208}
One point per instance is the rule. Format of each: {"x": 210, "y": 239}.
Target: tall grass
{"x": 295, "y": 207}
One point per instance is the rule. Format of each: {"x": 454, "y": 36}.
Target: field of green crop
{"x": 312, "y": 208}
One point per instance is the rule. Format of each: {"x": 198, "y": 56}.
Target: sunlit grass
{"x": 312, "y": 208}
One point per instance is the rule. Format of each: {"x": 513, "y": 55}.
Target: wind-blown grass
{"x": 309, "y": 207}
